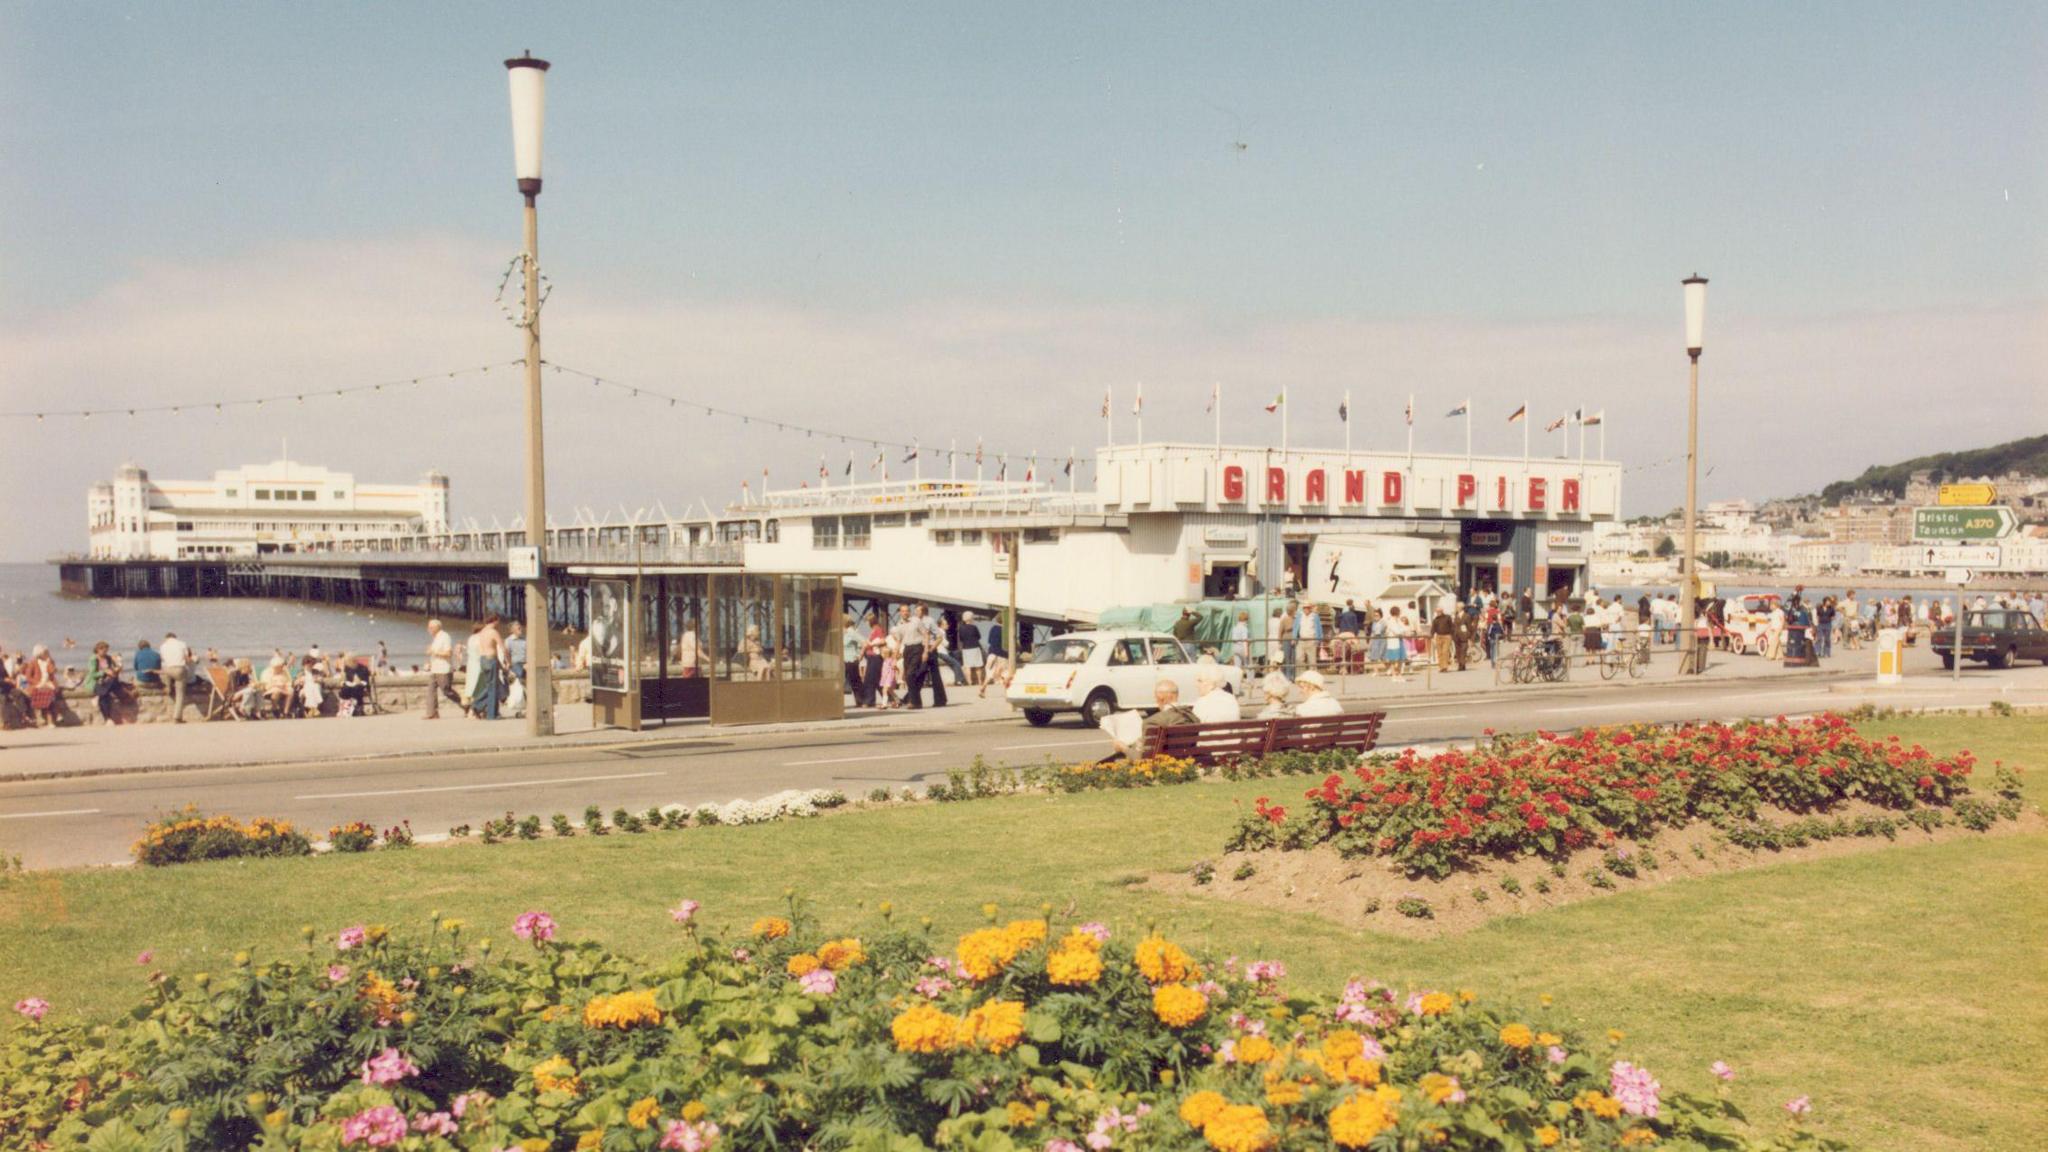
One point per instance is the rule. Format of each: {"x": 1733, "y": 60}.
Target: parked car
{"x": 1997, "y": 636}
{"x": 1096, "y": 673}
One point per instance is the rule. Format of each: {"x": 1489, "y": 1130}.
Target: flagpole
{"x": 1139, "y": 411}
{"x": 953, "y": 459}
{"x": 1411, "y": 430}
{"x": 1468, "y": 430}
{"x": 1216, "y": 408}
{"x": 916, "y": 461}
{"x": 1528, "y": 418}
{"x": 1070, "y": 470}
{"x": 1283, "y": 425}
{"x": 1603, "y": 437}
{"x": 1109, "y": 413}
{"x": 1347, "y": 425}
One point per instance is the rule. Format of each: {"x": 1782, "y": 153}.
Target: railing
{"x": 466, "y": 552}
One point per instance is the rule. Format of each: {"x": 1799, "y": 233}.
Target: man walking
{"x": 177, "y": 661}
{"x": 491, "y": 656}
{"x": 440, "y": 669}
{"x": 934, "y": 648}
{"x": 910, "y": 641}
{"x": 1308, "y": 634}
{"x": 1442, "y": 643}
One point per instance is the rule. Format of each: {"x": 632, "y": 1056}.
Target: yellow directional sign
{"x": 1966, "y": 495}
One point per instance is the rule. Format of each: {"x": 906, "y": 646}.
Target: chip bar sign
{"x": 1943, "y": 524}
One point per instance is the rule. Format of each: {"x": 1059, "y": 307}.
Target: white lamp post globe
{"x": 1695, "y": 314}
{"x": 529, "y": 90}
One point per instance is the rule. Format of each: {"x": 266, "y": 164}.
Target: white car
{"x": 1096, "y": 673}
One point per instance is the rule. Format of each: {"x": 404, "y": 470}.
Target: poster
{"x": 611, "y": 635}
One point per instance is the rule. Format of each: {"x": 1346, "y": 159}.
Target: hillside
{"x": 2029, "y": 455}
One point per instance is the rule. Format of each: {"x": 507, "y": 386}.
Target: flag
{"x": 1410, "y": 411}
{"x": 1554, "y": 425}
{"x": 1031, "y": 470}
{"x": 977, "y": 453}
{"x": 881, "y": 461}
{"x": 1213, "y": 390}
{"x": 1105, "y": 403}
{"x": 912, "y": 456}
{"x": 1069, "y": 469}
{"x": 1344, "y": 409}
{"x": 1463, "y": 409}
{"x": 849, "y": 463}
{"x": 1578, "y": 415}
{"x": 1002, "y": 467}
{"x": 1595, "y": 418}
{"x": 1521, "y": 413}
{"x": 822, "y": 470}
{"x": 1138, "y": 408}
{"x": 1277, "y": 401}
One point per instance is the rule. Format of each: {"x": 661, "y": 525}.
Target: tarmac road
{"x": 92, "y": 820}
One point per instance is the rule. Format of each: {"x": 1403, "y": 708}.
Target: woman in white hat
{"x": 1213, "y": 702}
{"x": 1315, "y": 696}
{"x": 1275, "y": 687}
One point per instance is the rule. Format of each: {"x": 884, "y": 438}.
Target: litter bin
{"x": 1891, "y": 655}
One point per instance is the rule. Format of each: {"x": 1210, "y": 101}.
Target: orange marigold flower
{"x": 1199, "y": 1106}
{"x": 1517, "y": 1036}
{"x": 839, "y": 955}
{"x": 1361, "y": 1118}
{"x": 802, "y": 964}
{"x": 1163, "y": 962}
{"x": 1178, "y": 1005}
{"x": 771, "y": 927}
{"x": 923, "y": 1028}
{"x": 1238, "y": 1128}
{"x": 998, "y": 1025}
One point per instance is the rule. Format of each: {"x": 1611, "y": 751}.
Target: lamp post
{"x": 529, "y": 78}
{"x": 1689, "y": 589}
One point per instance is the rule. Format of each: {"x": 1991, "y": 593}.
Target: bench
{"x": 1233, "y": 739}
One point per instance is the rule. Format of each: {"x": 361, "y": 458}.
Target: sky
{"x": 964, "y": 222}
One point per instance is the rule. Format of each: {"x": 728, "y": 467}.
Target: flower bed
{"x": 191, "y": 835}
{"x": 1026, "y": 1034}
{"x": 1552, "y": 795}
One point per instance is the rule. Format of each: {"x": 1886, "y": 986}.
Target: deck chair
{"x": 221, "y": 705}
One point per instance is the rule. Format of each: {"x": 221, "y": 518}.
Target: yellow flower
{"x": 1073, "y": 967}
{"x": 1544, "y": 999}
{"x": 923, "y": 1028}
{"x": 533, "y": 1144}
{"x": 802, "y": 964}
{"x": 1638, "y": 1137}
{"x": 1281, "y": 1093}
{"x": 1547, "y": 1136}
{"x": 839, "y": 955}
{"x": 987, "y": 951}
{"x": 1253, "y": 1049}
{"x": 694, "y": 1111}
{"x": 996, "y": 1026}
{"x": 1343, "y": 1044}
{"x": 625, "y": 1010}
{"x": 1178, "y": 1005}
{"x": 1163, "y": 962}
{"x": 1616, "y": 1035}
{"x": 771, "y": 927}
{"x": 1198, "y": 1107}
{"x": 642, "y": 1113}
{"x": 590, "y": 1141}
{"x": 1439, "y": 1087}
{"x": 1467, "y": 996}
{"x": 1548, "y": 1038}
{"x": 1599, "y": 1104}
{"x": 1517, "y": 1036}
{"x": 1238, "y": 1128}
{"x": 1355, "y": 1122}
{"x": 556, "y": 1074}
{"x": 1436, "y": 1004}
{"x": 1019, "y": 1115}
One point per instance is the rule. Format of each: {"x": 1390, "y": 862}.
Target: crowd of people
{"x": 892, "y": 664}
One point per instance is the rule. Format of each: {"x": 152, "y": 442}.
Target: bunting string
{"x": 222, "y": 404}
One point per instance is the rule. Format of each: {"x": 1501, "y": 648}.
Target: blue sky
{"x": 970, "y": 219}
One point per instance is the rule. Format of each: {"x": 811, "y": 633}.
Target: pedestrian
{"x": 971, "y": 657}
{"x": 1183, "y": 629}
{"x": 1397, "y": 635}
{"x": 147, "y": 665}
{"x": 1442, "y": 639}
{"x": 909, "y": 639}
{"x": 104, "y": 682}
{"x": 488, "y": 655}
{"x": 934, "y": 649}
{"x": 1288, "y": 655}
{"x": 892, "y": 669}
{"x": 440, "y": 669}
{"x": 1241, "y": 641}
{"x": 852, "y": 642}
{"x": 945, "y": 655}
{"x": 1463, "y": 632}
{"x": 176, "y": 656}
{"x": 1308, "y": 635}
{"x": 515, "y": 651}
{"x": 40, "y": 681}
{"x": 872, "y": 655}
{"x": 383, "y": 658}
{"x": 999, "y": 662}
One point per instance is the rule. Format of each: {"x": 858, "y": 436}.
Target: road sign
{"x": 1943, "y": 524}
{"x": 1956, "y": 556}
{"x": 522, "y": 562}
{"x": 1959, "y": 576}
{"x": 1966, "y": 495}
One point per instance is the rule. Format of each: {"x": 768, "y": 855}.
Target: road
{"x": 93, "y": 820}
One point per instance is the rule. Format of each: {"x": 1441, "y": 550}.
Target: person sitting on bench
{"x": 1315, "y": 697}
{"x": 1129, "y": 739}
{"x": 1275, "y": 687}
{"x": 1213, "y": 703}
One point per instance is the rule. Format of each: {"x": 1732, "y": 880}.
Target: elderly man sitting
{"x": 1213, "y": 703}
{"x": 1129, "y": 741}
{"x": 1315, "y": 696}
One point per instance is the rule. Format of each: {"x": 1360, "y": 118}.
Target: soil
{"x": 1364, "y": 892}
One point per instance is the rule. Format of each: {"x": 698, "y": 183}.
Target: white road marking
{"x": 59, "y": 812}
{"x": 1049, "y": 744}
{"x": 1393, "y": 705}
{"x": 477, "y": 787}
{"x": 1588, "y": 708}
{"x": 860, "y": 759}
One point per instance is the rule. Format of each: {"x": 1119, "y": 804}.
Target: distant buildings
{"x": 253, "y": 510}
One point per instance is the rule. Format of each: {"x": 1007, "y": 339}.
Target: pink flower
{"x": 683, "y": 1136}
{"x": 351, "y": 938}
{"x": 1721, "y": 1070}
{"x": 1799, "y": 1105}
{"x": 742, "y": 955}
{"x": 1061, "y": 1146}
{"x": 380, "y": 1127}
{"x": 468, "y": 1100}
{"x": 35, "y": 1007}
{"x": 685, "y": 912}
{"x": 1098, "y": 1140}
{"x": 1097, "y": 929}
{"x": 819, "y": 982}
{"x": 1635, "y": 1088}
{"x": 145, "y": 956}
{"x": 1265, "y": 971}
{"x": 538, "y": 927}
{"x": 1457, "y": 1093}
{"x": 933, "y": 987}
{"x": 336, "y": 973}
{"x": 435, "y": 1124}
{"x": 388, "y": 1067}
{"x": 1555, "y": 1054}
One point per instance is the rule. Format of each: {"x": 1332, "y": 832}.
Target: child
{"x": 892, "y": 671}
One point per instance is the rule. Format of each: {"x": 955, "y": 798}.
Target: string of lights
{"x": 222, "y": 404}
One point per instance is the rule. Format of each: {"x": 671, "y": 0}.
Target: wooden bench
{"x": 1232, "y": 739}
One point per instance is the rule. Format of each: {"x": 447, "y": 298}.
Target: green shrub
{"x": 191, "y": 835}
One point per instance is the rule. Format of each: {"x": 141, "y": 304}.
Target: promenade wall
{"x": 394, "y": 693}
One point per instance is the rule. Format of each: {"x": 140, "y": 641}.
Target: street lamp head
{"x": 1695, "y": 314}
{"x": 529, "y": 79}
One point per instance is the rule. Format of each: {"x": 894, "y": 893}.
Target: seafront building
{"x": 257, "y": 509}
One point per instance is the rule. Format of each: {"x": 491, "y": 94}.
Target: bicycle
{"x": 1632, "y": 657}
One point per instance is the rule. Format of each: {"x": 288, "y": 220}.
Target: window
{"x": 1065, "y": 650}
{"x": 309, "y": 494}
{"x": 229, "y": 493}
{"x": 1128, "y": 653}
{"x": 774, "y": 531}
{"x": 970, "y": 536}
{"x": 341, "y": 495}
{"x": 889, "y": 520}
{"x": 184, "y": 525}
{"x": 856, "y": 531}
{"x": 263, "y": 493}
{"x": 944, "y": 536}
{"x": 1041, "y": 535}
{"x": 1166, "y": 651}
{"x": 824, "y": 531}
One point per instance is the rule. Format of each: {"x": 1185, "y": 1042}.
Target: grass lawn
{"x": 1903, "y": 989}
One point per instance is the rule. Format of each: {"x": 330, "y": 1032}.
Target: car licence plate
{"x": 1034, "y": 689}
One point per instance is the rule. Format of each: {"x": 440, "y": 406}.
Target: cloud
{"x": 1787, "y": 403}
